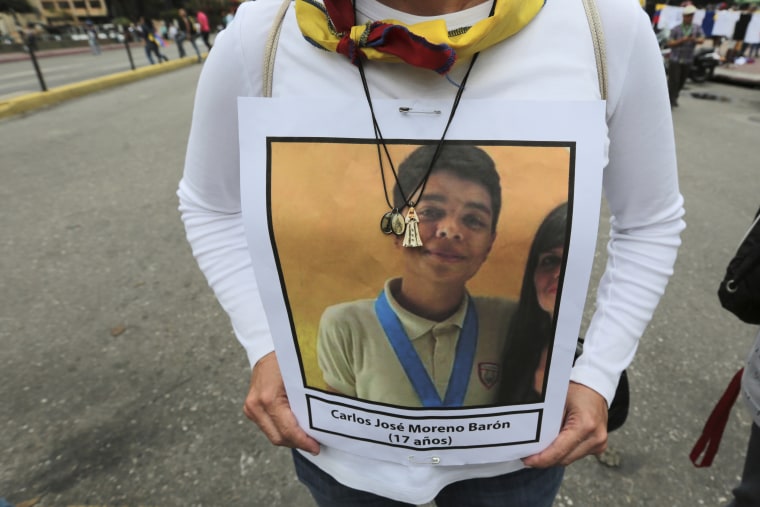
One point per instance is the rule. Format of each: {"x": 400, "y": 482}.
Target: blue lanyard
{"x": 412, "y": 364}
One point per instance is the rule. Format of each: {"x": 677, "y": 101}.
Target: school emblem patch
{"x": 488, "y": 373}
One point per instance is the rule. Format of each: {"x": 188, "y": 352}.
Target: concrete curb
{"x": 737, "y": 76}
{"x": 25, "y": 103}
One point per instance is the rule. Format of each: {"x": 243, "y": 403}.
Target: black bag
{"x": 739, "y": 292}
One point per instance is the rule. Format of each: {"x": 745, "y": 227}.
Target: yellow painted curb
{"x": 32, "y": 101}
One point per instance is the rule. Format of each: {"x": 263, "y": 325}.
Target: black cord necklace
{"x": 393, "y": 221}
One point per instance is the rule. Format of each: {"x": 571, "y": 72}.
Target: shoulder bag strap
{"x": 600, "y": 53}
{"x": 270, "y": 50}
{"x": 597, "y": 34}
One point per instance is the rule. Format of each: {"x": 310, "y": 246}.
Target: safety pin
{"x": 409, "y": 110}
{"x": 431, "y": 460}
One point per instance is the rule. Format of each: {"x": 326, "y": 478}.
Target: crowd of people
{"x": 156, "y": 35}
{"x": 186, "y": 27}
{"x": 739, "y": 25}
{"x": 733, "y": 34}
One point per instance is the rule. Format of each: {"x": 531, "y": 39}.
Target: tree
{"x": 12, "y": 6}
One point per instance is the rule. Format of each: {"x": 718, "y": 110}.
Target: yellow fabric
{"x": 509, "y": 17}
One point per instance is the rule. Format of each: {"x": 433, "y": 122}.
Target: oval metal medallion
{"x": 386, "y": 223}
{"x": 398, "y": 224}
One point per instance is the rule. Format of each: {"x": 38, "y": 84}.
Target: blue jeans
{"x": 151, "y": 49}
{"x": 529, "y": 487}
{"x": 181, "y": 38}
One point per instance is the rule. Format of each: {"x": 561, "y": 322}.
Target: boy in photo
{"x": 425, "y": 341}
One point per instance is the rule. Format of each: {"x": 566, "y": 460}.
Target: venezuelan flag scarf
{"x": 428, "y": 44}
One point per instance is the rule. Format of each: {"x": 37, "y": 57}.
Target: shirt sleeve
{"x": 646, "y": 207}
{"x": 334, "y": 352}
{"x": 209, "y": 192}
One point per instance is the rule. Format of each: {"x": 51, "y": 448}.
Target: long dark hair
{"x": 530, "y": 330}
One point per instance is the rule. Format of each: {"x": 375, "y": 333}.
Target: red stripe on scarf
{"x": 394, "y": 40}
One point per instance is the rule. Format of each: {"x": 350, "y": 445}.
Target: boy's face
{"x": 456, "y": 218}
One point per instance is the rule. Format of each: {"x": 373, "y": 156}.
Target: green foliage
{"x": 61, "y": 16}
{"x": 20, "y": 6}
{"x": 152, "y": 8}
{"x": 169, "y": 15}
{"x": 123, "y": 9}
{"x": 214, "y": 9}
{"x": 122, "y": 21}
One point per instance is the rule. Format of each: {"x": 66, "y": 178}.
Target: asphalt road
{"x": 123, "y": 384}
{"x": 20, "y": 77}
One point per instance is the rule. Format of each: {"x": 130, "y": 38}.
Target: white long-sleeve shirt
{"x": 550, "y": 59}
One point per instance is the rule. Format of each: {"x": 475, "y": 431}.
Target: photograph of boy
{"x": 425, "y": 341}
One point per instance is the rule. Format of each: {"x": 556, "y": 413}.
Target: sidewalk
{"x": 33, "y": 101}
{"x": 47, "y": 53}
{"x": 748, "y": 73}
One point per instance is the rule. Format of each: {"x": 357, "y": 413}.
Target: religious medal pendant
{"x": 393, "y": 222}
{"x": 412, "y": 234}
{"x": 385, "y": 222}
{"x": 398, "y": 224}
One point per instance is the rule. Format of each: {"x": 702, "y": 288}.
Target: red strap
{"x": 716, "y": 423}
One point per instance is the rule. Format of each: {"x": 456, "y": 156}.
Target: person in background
{"x": 132, "y": 33}
{"x": 204, "y": 26}
{"x": 229, "y": 17}
{"x": 92, "y": 38}
{"x": 708, "y": 23}
{"x": 740, "y": 30}
{"x": 754, "y": 49}
{"x": 747, "y": 492}
{"x": 30, "y": 37}
{"x": 171, "y": 35}
{"x": 187, "y": 32}
{"x": 151, "y": 42}
{"x": 682, "y": 42}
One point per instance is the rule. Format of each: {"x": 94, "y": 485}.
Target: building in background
{"x": 47, "y": 14}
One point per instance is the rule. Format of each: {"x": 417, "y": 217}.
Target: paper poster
{"x": 672, "y": 16}
{"x": 460, "y": 344}
{"x": 725, "y": 23}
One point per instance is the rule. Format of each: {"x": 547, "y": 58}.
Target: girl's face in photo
{"x": 546, "y": 278}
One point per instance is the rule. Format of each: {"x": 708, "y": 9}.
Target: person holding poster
{"x": 531, "y": 329}
{"x": 403, "y": 348}
{"x": 523, "y": 52}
